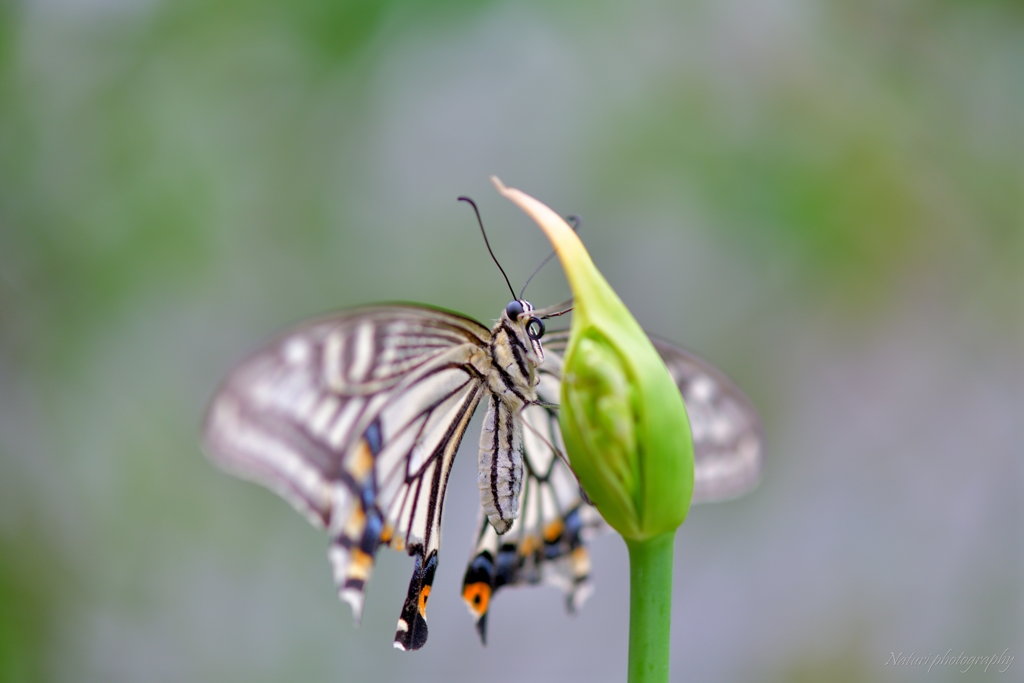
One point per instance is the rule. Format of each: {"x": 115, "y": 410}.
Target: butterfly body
{"x": 355, "y": 419}
{"x": 515, "y": 357}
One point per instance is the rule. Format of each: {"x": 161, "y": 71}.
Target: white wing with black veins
{"x": 355, "y": 420}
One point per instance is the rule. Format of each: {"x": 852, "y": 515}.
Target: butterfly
{"x": 355, "y": 419}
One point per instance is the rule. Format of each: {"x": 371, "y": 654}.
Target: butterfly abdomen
{"x": 500, "y": 475}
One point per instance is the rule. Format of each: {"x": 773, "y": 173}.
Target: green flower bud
{"x": 622, "y": 417}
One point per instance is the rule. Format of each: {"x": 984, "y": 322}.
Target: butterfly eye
{"x": 514, "y": 310}
{"x": 535, "y": 328}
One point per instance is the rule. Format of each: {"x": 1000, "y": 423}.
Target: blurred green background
{"x": 826, "y": 199}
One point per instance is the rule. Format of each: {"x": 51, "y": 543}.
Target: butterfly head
{"x": 528, "y": 327}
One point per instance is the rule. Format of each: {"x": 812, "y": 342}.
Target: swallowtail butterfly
{"x": 355, "y": 420}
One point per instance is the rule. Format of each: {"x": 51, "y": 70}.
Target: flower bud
{"x": 622, "y": 417}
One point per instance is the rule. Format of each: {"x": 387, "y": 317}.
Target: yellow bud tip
{"x": 565, "y": 241}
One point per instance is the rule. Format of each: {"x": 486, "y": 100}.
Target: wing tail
{"x": 412, "y": 625}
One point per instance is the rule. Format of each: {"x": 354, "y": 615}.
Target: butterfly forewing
{"x": 355, "y": 421}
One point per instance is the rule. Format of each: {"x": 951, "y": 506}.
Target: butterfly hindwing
{"x": 547, "y": 543}
{"x": 355, "y": 420}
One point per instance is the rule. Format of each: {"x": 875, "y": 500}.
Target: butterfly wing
{"x": 355, "y": 420}
{"x": 728, "y": 439}
{"x": 547, "y": 543}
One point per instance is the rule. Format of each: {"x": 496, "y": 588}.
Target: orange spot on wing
{"x": 355, "y": 523}
{"x": 477, "y": 595}
{"x": 360, "y": 461}
{"x": 553, "y": 530}
{"x": 424, "y": 594}
{"x": 529, "y": 545}
{"x": 580, "y": 562}
{"x": 360, "y": 565}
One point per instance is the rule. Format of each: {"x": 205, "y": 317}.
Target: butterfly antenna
{"x": 480, "y": 221}
{"x": 553, "y": 311}
{"x": 576, "y": 220}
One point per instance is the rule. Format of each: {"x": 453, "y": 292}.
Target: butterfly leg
{"x": 557, "y": 451}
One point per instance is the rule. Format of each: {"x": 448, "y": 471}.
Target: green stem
{"x": 650, "y": 608}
